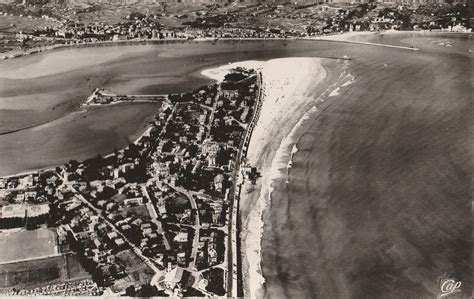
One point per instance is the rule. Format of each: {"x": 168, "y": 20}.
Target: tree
{"x": 130, "y": 291}
{"x": 147, "y": 291}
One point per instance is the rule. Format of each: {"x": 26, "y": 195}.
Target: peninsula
{"x": 310, "y": 168}
{"x": 157, "y": 217}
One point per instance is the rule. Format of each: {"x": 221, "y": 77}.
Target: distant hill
{"x": 171, "y": 2}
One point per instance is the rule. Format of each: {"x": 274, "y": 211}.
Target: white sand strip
{"x": 286, "y": 85}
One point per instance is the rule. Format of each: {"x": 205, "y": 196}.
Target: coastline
{"x": 266, "y": 158}
{"x": 300, "y": 79}
{"x": 273, "y": 140}
{"x": 337, "y": 37}
{"x": 273, "y": 144}
{"x": 67, "y": 112}
{"x": 77, "y": 115}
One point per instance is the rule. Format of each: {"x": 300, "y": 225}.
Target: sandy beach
{"x": 374, "y": 205}
{"x": 293, "y": 87}
{"x": 376, "y": 199}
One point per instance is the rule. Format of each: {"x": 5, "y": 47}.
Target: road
{"x": 154, "y": 217}
{"x": 137, "y": 250}
{"x": 213, "y": 111}
{"x": 234, "y": 269}
{"x": 196, "y": 226}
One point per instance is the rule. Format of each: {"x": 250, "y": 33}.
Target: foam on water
{"x": 283, "y": 158}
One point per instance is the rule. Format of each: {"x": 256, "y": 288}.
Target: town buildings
{"x": 154, "y": 213}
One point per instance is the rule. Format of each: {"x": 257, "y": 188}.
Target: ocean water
{"x": 46, "y": 87}
{"x": 377, "y": 201}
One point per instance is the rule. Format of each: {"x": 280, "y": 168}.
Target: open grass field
{"x": 43, "y": 270}
{"x": 138, "y": 211}
{"x": 31, "y": 273}
{"x": 379, "y": 200}
{"x": 73, "y": 268}
{"x": 24, "y": 245}
{"x": 22, "y": 24}
{"x": 138, "y": 272}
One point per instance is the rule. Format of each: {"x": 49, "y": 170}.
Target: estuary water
{"x": 377, "y": 202}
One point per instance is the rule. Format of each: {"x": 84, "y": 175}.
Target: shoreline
{"x": 266, "y": 157}
{"x": 53, "y": 167}
{"x": 214, "y": 73}
{"x": 336, "y": 37}
{"x": 273, "y": 144}
{"x": 251, "y": 216}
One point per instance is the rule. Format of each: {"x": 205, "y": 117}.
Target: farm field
{"x": 32, "y": 273}
{"x": 34, "y": 244}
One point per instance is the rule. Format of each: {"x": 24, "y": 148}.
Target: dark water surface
{"x": 37, "y": 89}
{"x": 379, "y": 202}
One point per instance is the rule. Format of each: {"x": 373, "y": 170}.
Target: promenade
{"x": 235, "y": 286}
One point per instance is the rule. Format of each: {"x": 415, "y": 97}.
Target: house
{"x": 230, "y": 94}
{"x": 181, "y": 256}
{"x": 146, "y": 229}
{"x": 219, "y": 182}
{"x": 101, "y": 203}
{"x": 31, "y": 195}
{"x": 97, "y": 243}
{"x": 167, "y": 34}
{"x": 119, "y": 242}
{"x": 20, "y": 198}
{"x": 212, "y": 256}
{"x": 27, "y": 181}
{"x": 126, "y": 167}
{"x": 13, "y": 211}
{"x": 211, "y": 149}
{"x": 162, "y": 210}
{"x": 112, "y": 235}
{"x": 181, "y": 237}
{"x": 137, "y": 201}
{"x": 110, "y": 206}
{"x": 116, "y": 173}
{"x": 137, "y": 222}
{"x": 126, "y": 227}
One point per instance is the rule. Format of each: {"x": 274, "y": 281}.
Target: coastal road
{"x": 384, "y": 190}
{"x": 234, "y": 264}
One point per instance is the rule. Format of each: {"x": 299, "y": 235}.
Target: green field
{"x": 138, "y": 272}
{"x": 38, "y": 271}
{"x": 34, "y": 244}
{"x": 30, "y": 273}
